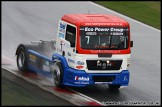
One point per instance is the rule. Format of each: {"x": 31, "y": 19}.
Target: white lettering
{"x": 115, "y": 33}
{"x": 103, "y": 82}
{"x": 82, "y": 78}
{"x": 88, "y": 37}
{"x": 88, "y": 29}
{"x": 91, "y": 33}
{"x": 117, "y": 29}
{"x": 46, "y": 68}
{"x": 101, "y": 29}
{"x": 78, "y": 82}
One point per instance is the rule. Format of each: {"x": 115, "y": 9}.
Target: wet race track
{"x": 23, "y": 22}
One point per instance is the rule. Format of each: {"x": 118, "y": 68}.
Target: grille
{"x": 103, "y": 78}
{"x": 103, "y": 65}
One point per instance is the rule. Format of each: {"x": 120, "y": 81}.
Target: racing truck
{"x": 89, "y": 49}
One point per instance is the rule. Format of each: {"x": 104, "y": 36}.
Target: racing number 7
{"x": 88, "y": 37}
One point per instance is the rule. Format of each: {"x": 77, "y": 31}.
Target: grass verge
{"x": 18, "y": 92}
{"x": 147, "y": 12}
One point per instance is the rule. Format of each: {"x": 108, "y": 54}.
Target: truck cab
{"x": 95, "y": 49}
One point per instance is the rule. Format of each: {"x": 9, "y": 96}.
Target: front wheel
{"x": 114, "y": 87}
{"x": 58, "y": 74}
{"x": 22, "y": 59}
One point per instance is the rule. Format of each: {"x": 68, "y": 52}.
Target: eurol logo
{"x": 62, "y": 25}
{"x": 81, "y": 78}
{"x": 80, "y": 63}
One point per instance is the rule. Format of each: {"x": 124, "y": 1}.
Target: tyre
{"x": 114, "y": 87}
{"x": 58, "y": 74}
{"x": 22, "y": 59}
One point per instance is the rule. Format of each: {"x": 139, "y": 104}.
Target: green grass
{"x": 15, "y": 95}
{"x": 147, "y": 12}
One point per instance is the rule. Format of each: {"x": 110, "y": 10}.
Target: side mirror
{"x": 131, "y": 43}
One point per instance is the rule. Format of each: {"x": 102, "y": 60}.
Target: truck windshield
{"x": 104, "y": 38}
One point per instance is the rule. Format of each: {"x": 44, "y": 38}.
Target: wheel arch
{"x": 59, "y": 58}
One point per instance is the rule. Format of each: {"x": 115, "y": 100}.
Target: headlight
{"x": 108, "y": 62}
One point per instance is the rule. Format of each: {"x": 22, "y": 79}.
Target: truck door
{"x": 66, "y": 42}
{"x": 70, "y": 42}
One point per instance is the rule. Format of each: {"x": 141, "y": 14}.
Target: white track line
{"x": 124, "y": 16}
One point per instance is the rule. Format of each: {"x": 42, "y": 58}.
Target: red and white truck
{"x": 90, "y": 49}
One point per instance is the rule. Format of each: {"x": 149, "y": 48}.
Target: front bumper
{"x": 80, "y": 78}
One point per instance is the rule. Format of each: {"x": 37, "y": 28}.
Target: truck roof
{"x": 94, "y": 20}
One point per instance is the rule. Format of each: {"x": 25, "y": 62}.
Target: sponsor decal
{"x": 71, "y": 61}
{"x": 62, "y": 30}
{"x": 46, "y": 68}
{"x": 103, "y": 82}
{"x": 62, "y": 27}
{"x": 78, "y": 82}
{"x": 81, "y": 78}
{"x": 79, "y": 67}
{"x": 95, "y": 23}
{"x": 116, "y": 29}
{"x": 105, "y": 51}
{"x": 47, "y": 63}
{"x": 80, "y": 63}
{"x": 91, "y": 33}
{"x": 116, "y": 33}
{"x": 61, "y": 35}
{"x": 102, "y": 29}
{"x": 96, "y": 29}
{"x": 125, "y": 78}
{"x": 32, "y": 57}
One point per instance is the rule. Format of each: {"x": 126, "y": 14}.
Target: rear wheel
{"x": 114, "y": 87}
{"x": 22, "y": 59}
{"x": 58, "y": 74}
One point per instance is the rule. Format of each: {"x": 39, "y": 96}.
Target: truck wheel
{"x": 22, "y": 59}
{"x": 114, "y": 87}
{"x": 58, "y": 74}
